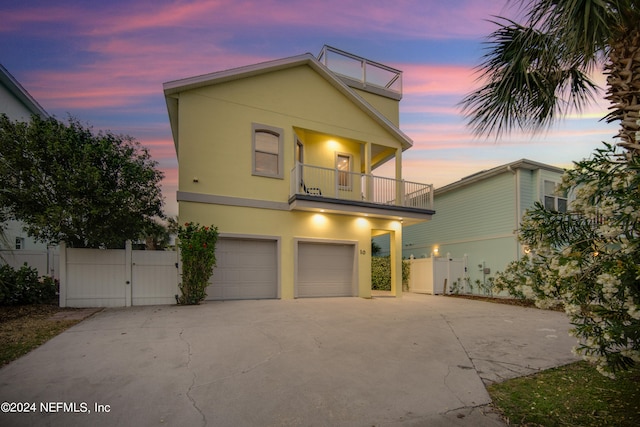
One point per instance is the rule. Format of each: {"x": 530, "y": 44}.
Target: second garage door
{"x": 325, "y": 270}
{"x": 245, "y": 269}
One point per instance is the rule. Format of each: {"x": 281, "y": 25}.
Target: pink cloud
{"x": 413, "y": 18}
{"x": 426, "y": 79}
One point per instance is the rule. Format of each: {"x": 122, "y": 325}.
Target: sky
{"x": 104, "y": 62}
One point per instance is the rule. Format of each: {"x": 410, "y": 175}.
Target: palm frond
{"x": 530, "y": 80}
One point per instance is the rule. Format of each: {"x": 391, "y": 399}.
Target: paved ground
{"x": 416, "y": 361}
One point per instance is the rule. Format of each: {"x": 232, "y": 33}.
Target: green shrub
{"x": 197, "y": 251}
{"x": 381, "y": 273}
{"x": 23, "y": 286}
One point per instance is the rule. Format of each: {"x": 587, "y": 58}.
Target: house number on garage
{"x": 363, "y": 252}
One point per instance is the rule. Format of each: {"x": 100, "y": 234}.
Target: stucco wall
{"x": 288, "y": 226}
{"x": 215, "y": 130}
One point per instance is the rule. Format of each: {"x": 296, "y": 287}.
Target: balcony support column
{"x": 368, "y": 190}
{"x": 399, "y": 183}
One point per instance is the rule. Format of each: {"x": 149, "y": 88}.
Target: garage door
{"x": 325, "y": 270}
{"x": 246, "y": 269}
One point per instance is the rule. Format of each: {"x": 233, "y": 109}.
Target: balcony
{"x": 331, "y": 190}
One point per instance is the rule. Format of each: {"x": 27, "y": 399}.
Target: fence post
{"x": 128, "y": 267}
{"x": 448, "y": 272}
{"x": 62, "y": 297}
{"x": 51, "y": 268}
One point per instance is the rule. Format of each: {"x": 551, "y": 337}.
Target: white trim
{"x": 16, "y": 89}
{"x": 212, "y": 199}
{"x": 277, "y": 132}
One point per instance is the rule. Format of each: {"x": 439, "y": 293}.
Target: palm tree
{"x": 535, "y": 73}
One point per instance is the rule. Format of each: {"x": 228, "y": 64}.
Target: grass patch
{"x": 571, "y": 395}
{"x": 23, "y": 328}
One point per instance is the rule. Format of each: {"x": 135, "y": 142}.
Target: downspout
{"x": 516, "y": 176}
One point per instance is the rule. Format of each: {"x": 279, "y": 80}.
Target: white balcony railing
{"x": 367, "y": 72}
{"x": 336, "y": 184}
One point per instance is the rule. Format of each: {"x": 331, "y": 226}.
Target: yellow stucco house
{"x": 279, "y": 156}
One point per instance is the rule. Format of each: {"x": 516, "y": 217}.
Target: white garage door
{"x": 245, "y": 269}
{"x": 325, "y": 270}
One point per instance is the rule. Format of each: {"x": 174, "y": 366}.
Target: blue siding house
{"x": 478, "y": 217}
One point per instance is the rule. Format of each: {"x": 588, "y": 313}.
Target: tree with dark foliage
{"x": 68, "y": 183}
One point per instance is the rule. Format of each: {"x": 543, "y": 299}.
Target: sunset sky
{"x": 104, "y": 62}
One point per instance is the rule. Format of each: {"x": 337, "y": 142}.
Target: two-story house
{"x": 478, "y": 218}
{"x": 279, "y": 156}
{"x": 18, "y": 105}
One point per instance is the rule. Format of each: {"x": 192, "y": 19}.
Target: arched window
{"x": 267, "y": 151}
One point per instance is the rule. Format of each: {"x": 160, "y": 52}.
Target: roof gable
{"x": 21, "y": 95}
{"x": 172, "y": 88}
{"x": 485, "y": 174}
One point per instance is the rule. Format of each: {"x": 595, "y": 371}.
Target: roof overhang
{"x": 16, "y": 89}
{"x": 524, "y": 164}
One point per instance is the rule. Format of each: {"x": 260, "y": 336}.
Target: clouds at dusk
{"x": 105, "y": 62}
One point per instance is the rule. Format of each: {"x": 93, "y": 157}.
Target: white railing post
{"x": 294, "y": 186}
{"x": 128, "y": 273}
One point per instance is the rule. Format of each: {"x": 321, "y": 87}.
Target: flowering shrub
{"x": 197, "y": 251}
{"x": 588, "y": 260}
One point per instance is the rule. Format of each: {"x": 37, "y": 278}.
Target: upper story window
{"x": 19, "y": 242}
{"x": 552, "y": 200}
{"x": 267, "y": 147}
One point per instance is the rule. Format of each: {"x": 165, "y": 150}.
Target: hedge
{"x": 381, "y": 273}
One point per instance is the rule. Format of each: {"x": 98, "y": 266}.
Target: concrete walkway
{"x": 415, "y": 361}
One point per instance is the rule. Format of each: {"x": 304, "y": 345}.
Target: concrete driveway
{"x": 419, "y": 360}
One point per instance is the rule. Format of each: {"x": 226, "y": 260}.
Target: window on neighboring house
{"x": 343, "y": 164}
{"x": 267, "y": 151}
{"x": 19, "y": 243}
{"x": 552, "y": 200}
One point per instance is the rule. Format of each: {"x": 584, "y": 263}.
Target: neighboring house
{"x": 279, "y": 156}
{"x": 18, "y": 105}
{"x": 478, "y": 218}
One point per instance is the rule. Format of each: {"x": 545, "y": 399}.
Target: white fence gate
{"x": 117, "y": 277}
{"x": 429, "y": 275}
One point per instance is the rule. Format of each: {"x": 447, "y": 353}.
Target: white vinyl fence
{"x": 117, "y": 277}
{"x": 46, "y": 262}
{"x": 430, "y": 275}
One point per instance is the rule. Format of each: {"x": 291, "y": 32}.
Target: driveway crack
{"x": 193, "y": 379}
{"x": 459, "y": 342}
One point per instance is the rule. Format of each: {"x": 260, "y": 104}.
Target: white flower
{"x": 632, "y": 354}
{"x": 527, "y": 291}
{"x": 604, "y": 371}
{"x": 608, "y": 231}
{"x": 572, "y": 309}
{"x": 609, "y": 284}
{"x": 569, "y": 269}
{"x": 633, "y": 310}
